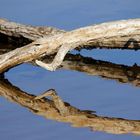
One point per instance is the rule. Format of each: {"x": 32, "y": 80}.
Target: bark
{"x": 29, "y": 32}
{"x": 124, "y": 34}
{"x": 78, "y": 118}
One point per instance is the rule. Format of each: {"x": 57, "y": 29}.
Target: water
{"x": 83, "y": 90}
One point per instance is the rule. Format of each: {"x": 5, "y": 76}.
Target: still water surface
{"x": 83, "y": 90}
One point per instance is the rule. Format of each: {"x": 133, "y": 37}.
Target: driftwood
{"x": 124, "y": 34}
{"x": 121, "y": 34}
{"x": 58, "y": 110}
{"x": 29, "y": 32}
{"x": 93, "y": 67}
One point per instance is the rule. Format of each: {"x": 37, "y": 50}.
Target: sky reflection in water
{"x": 107, "y": 97}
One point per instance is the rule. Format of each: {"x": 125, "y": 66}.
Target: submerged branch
{"x": 78, "y": 118}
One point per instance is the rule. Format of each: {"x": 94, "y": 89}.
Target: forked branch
{"x": 124, "y": 34}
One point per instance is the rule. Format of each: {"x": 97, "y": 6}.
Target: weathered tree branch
{"x": 90, "y": 66}
{"x": 77, "y": 38}
{"x": 29, "y": 32}
{"x": 78, "y": 118}
{"x": 123, "y": 34}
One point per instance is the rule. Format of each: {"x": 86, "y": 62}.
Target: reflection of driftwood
{"x": 121, "y": 73}
{"x": 120, "y": 34}
{"x": 78, "y": 118}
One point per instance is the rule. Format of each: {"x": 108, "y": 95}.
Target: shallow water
{"x": 110, "y": 89}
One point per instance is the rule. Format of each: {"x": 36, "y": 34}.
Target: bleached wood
{"x": 124, "y": 34}
{"x": 27, "y": 31}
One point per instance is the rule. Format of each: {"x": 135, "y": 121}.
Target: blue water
{"x": 107, "y": 97}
